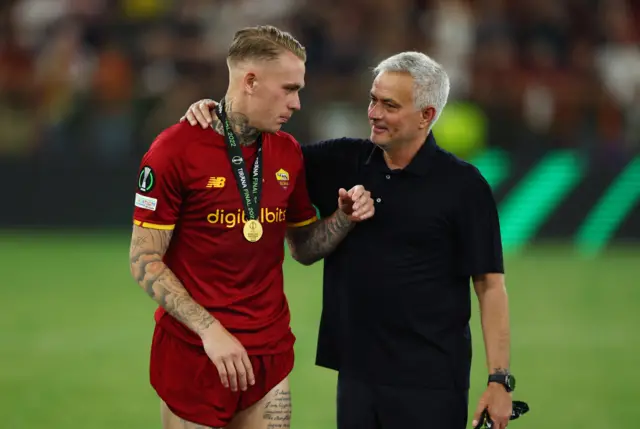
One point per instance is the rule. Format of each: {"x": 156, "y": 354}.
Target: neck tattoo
{"x": 246, "y": 134}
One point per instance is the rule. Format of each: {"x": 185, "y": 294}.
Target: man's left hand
{"x": 356, "y": 203}
{"x": 200, "y": 113}
{"x": 498, "y": 402}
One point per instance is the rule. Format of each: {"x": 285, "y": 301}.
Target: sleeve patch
{"x": 146, "y": 179}
{"x": 146, "y": 203}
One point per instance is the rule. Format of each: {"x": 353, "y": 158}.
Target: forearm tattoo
{"x": 277, "y": 411}
{"x": 239, "y": 122}
{"x": 146, "y": 251}
{"x": 311, "y": 243}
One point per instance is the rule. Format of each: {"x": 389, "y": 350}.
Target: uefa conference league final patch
{"x": 146, "y": 179}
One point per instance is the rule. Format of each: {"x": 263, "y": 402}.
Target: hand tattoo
{"x": 313, "y": 242}
{"x": 147, "y": 249}
{"x": 247, "y": 135}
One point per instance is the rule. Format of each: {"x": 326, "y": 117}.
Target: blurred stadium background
{"x": 545, "y": 100}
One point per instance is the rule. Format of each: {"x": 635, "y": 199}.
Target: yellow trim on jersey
{"x": 303, "y": 223}
{"x": 154, "y": 225}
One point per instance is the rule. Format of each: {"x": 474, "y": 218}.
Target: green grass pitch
{"x": 75, "y": 334}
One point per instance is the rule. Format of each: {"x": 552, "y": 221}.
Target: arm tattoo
{"x": 239, "y": 122}
{"x": 147, "y": 249}
{"x": 277, "y": 411}
{"x": 311, "y": 243}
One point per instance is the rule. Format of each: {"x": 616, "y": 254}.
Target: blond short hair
{"x": 263, "y": 42}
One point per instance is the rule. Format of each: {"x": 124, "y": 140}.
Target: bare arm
{"x": 148, "y": 246}
{"x": 310, "y": 243}
{"x": 494, "y": 313}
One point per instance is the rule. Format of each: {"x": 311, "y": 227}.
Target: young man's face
{"x": 275, "y": 93}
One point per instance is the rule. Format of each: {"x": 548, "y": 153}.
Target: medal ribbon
{"x": 250, "y": 192}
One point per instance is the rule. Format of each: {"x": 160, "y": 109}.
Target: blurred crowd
{"x": 98, "y": 79}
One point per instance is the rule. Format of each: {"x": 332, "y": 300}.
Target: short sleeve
{"x": 159, "y": 188}
{"x": 478, "y": 225}
{"x": 300, "y": 211}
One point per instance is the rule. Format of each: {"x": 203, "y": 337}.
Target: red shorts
{"x": 188, "y": 382}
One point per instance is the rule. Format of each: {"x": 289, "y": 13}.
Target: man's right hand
{"x": 200, "y": 113}
{"x": 229, "y": 356}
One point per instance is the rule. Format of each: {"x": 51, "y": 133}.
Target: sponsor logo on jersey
{"x": 232, "y": 218}
{"x": 216, "y": 182}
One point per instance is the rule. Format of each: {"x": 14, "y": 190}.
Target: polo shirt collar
{"x": 420, "y": 163}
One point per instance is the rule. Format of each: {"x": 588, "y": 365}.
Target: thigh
{"x": 355, "y": 404}
{"x": 171, "y": 421}
{"x": 400, "y": 407}
{"x": 273, "y": 411}
{"x": 188, "y": 383}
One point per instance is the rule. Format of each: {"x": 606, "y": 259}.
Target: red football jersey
{"x": 186, "y": 184}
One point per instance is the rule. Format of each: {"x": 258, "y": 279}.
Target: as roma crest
{"x": 282, "y": 176}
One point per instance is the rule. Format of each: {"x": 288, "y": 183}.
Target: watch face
{"x": 511, "y": 380}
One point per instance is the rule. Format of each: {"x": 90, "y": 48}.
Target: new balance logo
{"x": 216, "y": 182}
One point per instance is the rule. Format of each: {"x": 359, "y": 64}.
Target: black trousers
{"x": 366, "y": 406}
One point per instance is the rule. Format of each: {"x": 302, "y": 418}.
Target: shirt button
{"x": 388, "y": 176}
{"x": 378, "y": 200}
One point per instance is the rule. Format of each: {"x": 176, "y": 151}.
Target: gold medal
{"x": 252, "y": 230}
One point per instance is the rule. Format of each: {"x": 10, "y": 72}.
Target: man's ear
{"x": 427, "y": 115}
{"x": 250, "y": 82}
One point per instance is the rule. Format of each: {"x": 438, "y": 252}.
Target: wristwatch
{"x": 507, "y": 380}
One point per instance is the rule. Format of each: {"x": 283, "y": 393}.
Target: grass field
{"x": 75, "y": 334}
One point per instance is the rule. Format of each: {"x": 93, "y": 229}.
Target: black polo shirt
{"x": 397, "y": 291}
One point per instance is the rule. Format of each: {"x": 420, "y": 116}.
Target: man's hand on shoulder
{"x": 200, "y": 113}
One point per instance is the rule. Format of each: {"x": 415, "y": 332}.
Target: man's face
{"x": 392, "y": 113}
{"x": 275, "y": 94}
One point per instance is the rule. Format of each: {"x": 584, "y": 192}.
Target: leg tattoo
{"x": 277, "y": 412}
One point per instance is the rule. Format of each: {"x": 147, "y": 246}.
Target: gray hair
{"x": 431, "y": 82}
